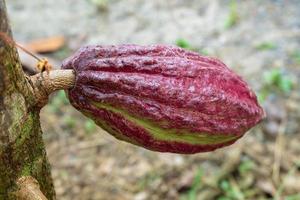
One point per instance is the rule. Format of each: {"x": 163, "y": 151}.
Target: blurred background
{"x": 258, "y": 39}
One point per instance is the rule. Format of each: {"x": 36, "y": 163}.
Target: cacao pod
{"x": 162, "y": 98}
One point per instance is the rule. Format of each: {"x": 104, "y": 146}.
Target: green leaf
{"x": 262, "y": 95}
{"x": 296, "y": 56}
{"x": 293, "y": 197}
{"x": 245, "y": 166}
{"x": 89, "y": 126}
{"x": 277, "y": 79}
{"x": 233, "y": 17}
{"x": 192, "y": 195}
{"x": 285, "y": 84}
{"x": 69, "y": 121}
{"x": 266, "y": 46}
{"x": 183, "y": 43}
{"x": 224, "y": 185}
{"x": 204, "y": 52}
{"x": 272, "y": 77}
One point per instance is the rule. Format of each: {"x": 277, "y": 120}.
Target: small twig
{"x": 30, "y": 64}
{"x": 278, "y": 152}
{"x": 29, "y": 189}
{"x": 43, "y": 84}
{"x": 282, "y": 185}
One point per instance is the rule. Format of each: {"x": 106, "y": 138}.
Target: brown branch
{"x": 29, "y": 189}
{"x": 21, "y": 142}
{"x": 43, "y": 84}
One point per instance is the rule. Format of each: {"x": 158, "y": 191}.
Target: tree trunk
{"x": 22, "y": 150}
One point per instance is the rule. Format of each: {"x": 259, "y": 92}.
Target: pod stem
{"x": 45, "y": 83}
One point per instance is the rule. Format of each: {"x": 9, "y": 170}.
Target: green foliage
{"x": 192, "y": 194}
{"x": 262, "y": 95}
{"x": 183, "y": 43}
{"x": 293, "y": 197}
{"x": 204, "y": 52}
{"x": 276, "y": 78}
{"x": 69, "y": 121}
{"x": 266, "y": 46}
{"x": 230, "y": 192}
{"x": 89, "y": 126}
{"x": 233, "y": 17}
{"x": 297, "y": 163}
{"x": 275, "y": 81}
{"x": 245, "y": 166}
{"x": 296, "y": 56}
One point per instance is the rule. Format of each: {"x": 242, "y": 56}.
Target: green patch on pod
{"x": 158, "y": 133}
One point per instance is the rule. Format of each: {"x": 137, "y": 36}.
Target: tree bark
{"x": 22, "y": 150}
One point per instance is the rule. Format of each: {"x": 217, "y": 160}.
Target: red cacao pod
{"x": 162, "y": 98}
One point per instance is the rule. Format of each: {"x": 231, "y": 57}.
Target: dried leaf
{"x": 44, "y": 45}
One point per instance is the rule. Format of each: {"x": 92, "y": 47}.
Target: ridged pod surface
{"x": 162, "y": 98}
